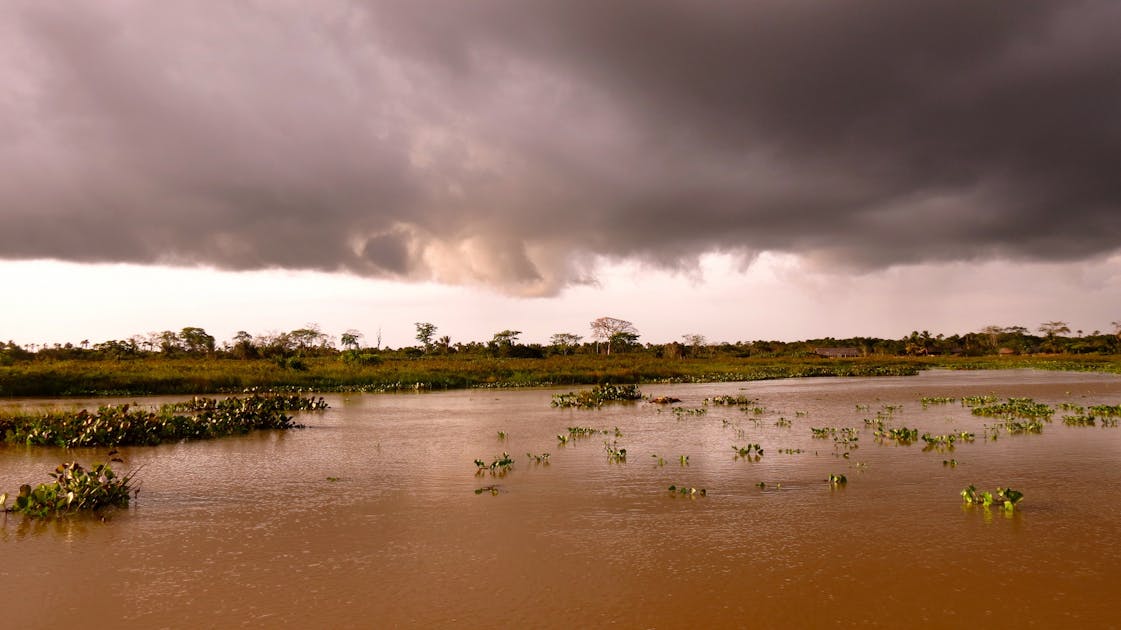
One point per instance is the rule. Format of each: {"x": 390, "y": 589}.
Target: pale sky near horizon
{"x": 749, "y": 170}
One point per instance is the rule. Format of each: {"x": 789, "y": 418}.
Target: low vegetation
{"x": 1008, "y": 498}
{"x": 131, "y": 425}
{"x": 74, "y": 489}
{"x": 598, "y": 396}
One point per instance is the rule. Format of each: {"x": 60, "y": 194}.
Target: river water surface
{"x": 369, "y": 517}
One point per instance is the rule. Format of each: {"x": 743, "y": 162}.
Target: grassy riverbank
{"x": 158, "y": 375}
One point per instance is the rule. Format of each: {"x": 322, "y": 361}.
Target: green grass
{"x": 157, "y": 375}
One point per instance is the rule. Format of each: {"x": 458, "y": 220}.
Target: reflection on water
{"x": 251, "y": 530}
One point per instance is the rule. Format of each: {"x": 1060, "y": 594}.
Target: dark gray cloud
{"x": 512, "y": 143}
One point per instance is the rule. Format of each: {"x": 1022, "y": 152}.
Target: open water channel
{"x": 369, "y": 517}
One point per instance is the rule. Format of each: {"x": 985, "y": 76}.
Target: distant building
{"x": 838, "y": 353}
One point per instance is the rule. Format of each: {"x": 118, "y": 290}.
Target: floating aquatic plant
{"x": 1015, "y": 408}
{"x": 749, "y": 451}
{"x": 687, "y": 491}
{"x": 498, "y": 466}
{"x": 1008, "y": 498}
{"x": 741, "y": 401}
{"x": 615, "y": 454}
{"x": 597, "y": 396}
{"x": 74, "y": 489}
{"x": 926, "y": 401}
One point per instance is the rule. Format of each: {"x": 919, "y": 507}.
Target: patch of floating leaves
{"x": 74, "y": 489}
{"x": 126, "y": 425}
{"x": 1008, "y": 498}
{"x": 597, "y": 396}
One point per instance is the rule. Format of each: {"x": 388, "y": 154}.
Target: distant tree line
{"x": 606, "y": 336}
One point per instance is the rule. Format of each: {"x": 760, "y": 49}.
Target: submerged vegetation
{"x": 130, "y": 425}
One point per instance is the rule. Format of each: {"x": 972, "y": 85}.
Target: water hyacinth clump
{"x": 1015, "y": 408}
{"x": 74, "y": 489}
{"x": 597, "y": 396}
{"x": 1007, "y": 497}
{"x": 128, "y": 425}
{"x": 740, "y": 401}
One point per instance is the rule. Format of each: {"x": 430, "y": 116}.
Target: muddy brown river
{"x": 369, "y": 517}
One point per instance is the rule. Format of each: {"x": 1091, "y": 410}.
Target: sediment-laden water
{"x": 369, "y": 517}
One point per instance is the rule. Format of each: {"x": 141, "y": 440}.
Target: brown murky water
{"x": 250, "y": 531}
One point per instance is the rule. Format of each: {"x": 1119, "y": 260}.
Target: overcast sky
{"x": 742, "y": 170}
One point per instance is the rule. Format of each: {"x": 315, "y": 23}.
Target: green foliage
{"x": 946, "y": 440}
{"x": 901, "y": 435}
{"x": 124, "y": 425}
{"x": 681, "y": 412}
{"x": 741, "y": 401}
{"x": 687, "y": 491}
{"x": 1008, "y": 498}
{"x": 597, "y": 396}
{"x": 139, "y": 373}
{"x": 74, "y": 489}
{"x": 615, "y": 454}
{"x": 749, "y": 451}
{"x": 1015, "y": 408}
{"x": 837, "y": 480}
{"x": 977, "y": 401}
{"x": 498, "y": 466}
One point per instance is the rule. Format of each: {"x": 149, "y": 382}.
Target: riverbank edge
{"x": 190, "y": 376}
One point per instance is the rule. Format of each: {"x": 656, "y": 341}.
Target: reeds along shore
{"x": 204, "y": 375}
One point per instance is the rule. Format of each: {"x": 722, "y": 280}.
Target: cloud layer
{"x": 512, "y": 144}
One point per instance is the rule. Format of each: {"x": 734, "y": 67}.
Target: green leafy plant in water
{"x": 117, "y": 425}
{"x": 543, "y": 458}
{"x": 615, "y": 454}
{"x": 1106, "y": 410}
{"x": 751, "y": 452}
{"x": 1015, "y": 408}
{"x": 491, "y": 490}
{"x": 926, "y": 401}
{"x": 597, "y": 396}
{"x": 952, "y": 463}
{"x": 74, "y": 489}
{"x": 658, "y": 460}
{"x": 740, "y": 401}
{"x": 836, "y": 480}
{"x": 945, "y": 441}
{"x": 582, "y": 432}
{"x": 783, "y": 422}
{"x": 1008, "y": 498}
{"x": 901, "y": 435}
{"x": 502, "y": 435}
{"x": 977, "y": 401}
{"x": 687, "y": 491}
{"x": 684, "y": 411}
{"x": 683, "y": 460}
{"x": 499, "y": 466}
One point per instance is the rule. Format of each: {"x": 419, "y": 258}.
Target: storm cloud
{"x": 514, "y": 144}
